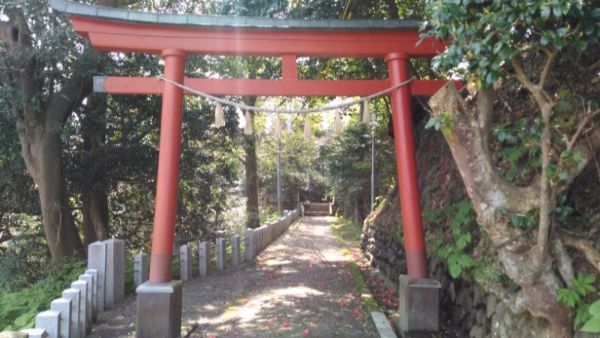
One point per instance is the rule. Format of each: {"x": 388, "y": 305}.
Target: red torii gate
{"x": 175, "y": 37}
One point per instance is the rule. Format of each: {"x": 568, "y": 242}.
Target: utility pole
{"x": 279, "y": 176}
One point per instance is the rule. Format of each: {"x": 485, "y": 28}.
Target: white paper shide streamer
{"x": 307, "y": 127}
{"x": 337, "y": 122}
{"x": 276, "y": 126}
{"x": 337, "y": 125}
{"x": 288, "y": 123}
{"x": 219, "y": 117}
{"x": 248, "y": 124}
{"x": 366, "y": 117}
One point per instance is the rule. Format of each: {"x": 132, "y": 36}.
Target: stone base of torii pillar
{"x": 419, "y": 305}
{"x": 159, "y": 310}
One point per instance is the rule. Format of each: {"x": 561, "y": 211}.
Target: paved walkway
{"x": 300, "y": 286}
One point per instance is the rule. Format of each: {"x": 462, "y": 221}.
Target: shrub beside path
{"x": 300, "y": 286}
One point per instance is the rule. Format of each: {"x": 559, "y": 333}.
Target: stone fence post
{"x": 203, "y": 258}
{"x": 115, "y": 271}
{"x": 94, "y": 274}
{"x": 89, "y": 279}
{"x": 141, "y": 268}
{"x": 220, "y": 248}
{"x": 63, "y": 306}
{"x": 97, "y": 262}
{"x": 185, "y": 262}
{"x": 49, "y": 321}
{"x": 249, "y": 247}
{"x": 235, "y": 250}
{"x": 74, "y": 296}
{"x": 82, "y": 316}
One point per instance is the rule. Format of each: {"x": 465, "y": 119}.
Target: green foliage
{"x": 520, "y": 152}
{"x": 18, "y": 309}
{"x": 488, "y": 34}
{"x": 268, "y": 214}
{"x": 346, "y": 230}
{"x": 301, "y": 169}
{"x": 526, "y": 221}
{"x": 348, "y": 166}
{"x": 592, "y": 325}
{"x": 367, "y": 299}
{"x": 22, "y": 261}
{"x": 562, "y": 210}
{"x": 577, "y": 297}
{"x": 437, "y": 122}
{"x": 454, "y": 252}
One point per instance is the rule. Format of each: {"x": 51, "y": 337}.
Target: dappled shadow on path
{"x": 300, "y": 286}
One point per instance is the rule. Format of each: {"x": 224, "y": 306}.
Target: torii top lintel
{"x": 120, "y": 30}
{"x": 111, "y": 29}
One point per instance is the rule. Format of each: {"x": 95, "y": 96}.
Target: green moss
{"x": 345, "y": 230}
{"x": 349, "y": 232}
{"x": 366, "y": 297}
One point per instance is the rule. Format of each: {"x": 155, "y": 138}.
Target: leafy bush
{"x": 23, "y": 261}
{"x": 587, "y": 316}
{"x": 593, "y": 324}
{"x": 18, "y": 309}
{"x": 454, "y": 252}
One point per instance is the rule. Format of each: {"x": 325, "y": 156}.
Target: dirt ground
{"x": 300, "y": 286}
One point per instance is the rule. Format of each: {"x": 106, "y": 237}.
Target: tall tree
{"x": 251, "y": 173}
{"x": 47, "y": 79}
{"x": 545, "y": 54}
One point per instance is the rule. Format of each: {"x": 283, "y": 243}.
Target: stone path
{"x": 300, "y": 286}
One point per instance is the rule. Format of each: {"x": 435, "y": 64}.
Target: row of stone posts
{"x": 255, "y": 240}
{"x": 101, "y": 286}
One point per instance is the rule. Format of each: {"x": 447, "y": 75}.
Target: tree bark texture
{"x": 44, "y": 163}
{"x": 94, "y": 204}
{"x": 494, "y": 198}
{"x": 93, "y": 185}
{"x": 251, "y": 169}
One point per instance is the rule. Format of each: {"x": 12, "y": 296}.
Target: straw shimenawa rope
{"x": 279, "y": 110}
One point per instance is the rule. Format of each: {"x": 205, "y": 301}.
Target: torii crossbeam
{"x": 175, "y": 37}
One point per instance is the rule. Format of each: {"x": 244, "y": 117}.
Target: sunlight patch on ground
{"x": 209, "y": 307}
{"x": 334, "y": 255}
{"x": 248, "y": 312}
{"x": 275, "y": 261}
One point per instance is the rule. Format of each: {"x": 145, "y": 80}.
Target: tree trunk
{"x": 42, "y": 154}
{"x": 94, "y": 204}
{"x": 94, "y": 196}
{"x": 250, "y": 165}
{"x": 39, "y": 121}
{"x": 494, "y": 199}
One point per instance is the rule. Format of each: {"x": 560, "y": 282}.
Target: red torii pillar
{"x": 167, "y": 182}
{"x": 419, "y": 295}
{"x": 406, "y": 167}
{"x": 159, "y": 301}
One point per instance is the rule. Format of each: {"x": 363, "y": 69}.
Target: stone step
{"x": 316, "y": 213}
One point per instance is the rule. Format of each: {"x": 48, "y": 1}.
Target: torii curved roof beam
{"x": 111, "y": 29}
{"x": 120, "y": 30}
